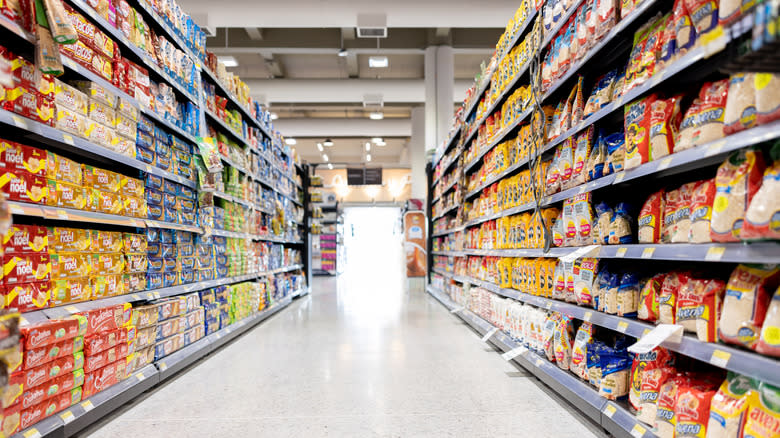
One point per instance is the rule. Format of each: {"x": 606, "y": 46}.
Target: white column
{"x": 430, "y": 99}
{"x": 445, "y": 81}
{"x": 417, "y": 149}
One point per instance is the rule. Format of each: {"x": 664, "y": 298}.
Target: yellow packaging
{"x": 70, "y": 265}
{"x": 107, "y": 286}
{"x": 105, "y": 202}
{"x": 63, "y": 169}
{"x": 68, "y": 239}
{"x": 108, "y": 264}
{"x": 134, "y": 243}
{"x": 66, "y": 195}
{"x": 129, "y": 186}
{"x": 135, "y": 207}
{"x": 107, "y": 241}
{"x": 71, "y": 290}
{"x": 763, "y": 412}
{"x": 102, "y": 113}
{"x": 102, "y": 179}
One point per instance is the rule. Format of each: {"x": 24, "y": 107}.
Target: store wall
{"x": 396, "y": 186}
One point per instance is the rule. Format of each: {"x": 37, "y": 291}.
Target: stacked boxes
{"x": 244, "y": 300}
{"x": 109, "y": 340}
{"x": 32, "y": 95}
{"x": 171, "y": 258}
{"x": 205, "y": 257}
{"x": 11, "y": 356}
{"x": 168, "y": 325}
{"x": 169, "y": 201}
{"x": 56, "y": 265}
{"x": 208, "y": 299}
{"x": 51, "y": 377}
{"x": 168, "y": 152}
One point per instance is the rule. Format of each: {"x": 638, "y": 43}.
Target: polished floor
{"x": 360, "y": 357}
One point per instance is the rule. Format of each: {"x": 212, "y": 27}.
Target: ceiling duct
{"x": 373, "y": 101}
{"x": 372, "y": 26}
{"x": 202, "y": 20}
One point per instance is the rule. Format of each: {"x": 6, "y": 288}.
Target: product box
{"x": 69, "y": 291}
{"x": 105, "y": 377}
{"x": 108, "y": 263}
{"x": 107, "y": 318}
{"x": 105, "y": 357}
{"x": 48, "y": 371}
{"x": 107, "y": 286}
{"x": 146, "y": 337}
{"x": 63, "y": 169}
{"x": 70, "y": 120}
{"x": 135, "y": 243}
{"x": 26, "y": 239}
{"x": 145, "y": 316}
{"x": 12, "y": 419}
{"x": 154, "y": 280}
{"x": 88, "y": 58}
{"x": 99, "y": 133}
{"x": 12, "y": 393}
{"x": 102, "y": 341}
{"x": 168, "y": 328}
{"x": 26, "y": 268}
{"x": 186, "y": 276}
{"x": 105, "y": 202}
{"x": 106, "y": 241}
{"x": 136, "y": 263}
{"x": 60, "y": 385}
{"x": 135, "y": 282}
{"x": 102, "y": 179}
{"x": 168, "y": 346}
{"x": 15, "y": 157}
{"x": 70, "y": 265}
{"x": 62, "y": 239}
{"x": 101, "y": 113}
{"x": 132, "y": 187}
{"x": 67, "y": 96}
{"x": 23, "y": 186}
{"x": 61, "y": 194}
{"x": 170, "y": 279}
{"x": 52, "y": 331}
{"x": 39, "y": 356}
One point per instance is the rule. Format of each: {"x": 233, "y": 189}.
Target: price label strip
{"x": 489, "y": 334}
{"x": 720, "y": 358}
{"x": 67, "y": 417}
{"x": 513, "y": 353}
{"x": 638, "y": 431}
{"x": 457, "y": 309}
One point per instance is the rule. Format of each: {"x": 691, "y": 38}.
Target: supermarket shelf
{"x": 246, "y": 112}
{"x": 169, "y": 126}
{"x": 446, "y": 189}
{"x": 226, "y": 128}
{"x": 69, "y": 214}
{"x": 231, "y": 198}
{"x": 498, "y": 138}
{"x": 450, "y": 231}
{"x": 614, "y": 417}
{"x": 448, "y": 164}
{"x": 563, "y": 21}
{"x": 508, "y": 212}
{"x": 53, "y": 136}
{"x": 496, "y": 178}
{"x": 454, "y": 135}
{"x": 446, "y": 211}
{"x": 169, "y": 32}
{"x": 449, "y": 253}
{"x": 173, "y": 226}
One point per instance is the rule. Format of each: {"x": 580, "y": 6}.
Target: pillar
{"x": 417, "y": 152}
{"x": 439, "y": 95}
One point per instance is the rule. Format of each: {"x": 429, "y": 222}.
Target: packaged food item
{"x": 38, "y": 356}
{"x": 709, "y": 116}
{"x": 698, "y": 307}
{"x": 667, "y": 299}
{"x": 584, "y": 282}
{"x": 102, "y": 179}
{"x": 69, "y": 239}
{"x": 99, "y": 134}
{"x": 583, "y": 146}
{"x": 106, "y": 241}
{"x": 27, "y": 297}
{"x": 703, "y": 13}
{"x": 767, "y": 97}
{"x": 651, "y": 218}
{"x": 70, "y": 291}
{"x": 66, "y": 195}
{"x": 69, "y": 97}
{"x": 616, "y": 148}
{"x": 108, "y": 263}
{"x": 566, "y": 163}
{"x": 685, "y": 35}
{"x": 762, "y": 212}
{"x": 702, "y": 198}
{"x": 740, "y": 111}
{"x": 665, "y": 119}
{"x": 728, "y": 407}
{"x": 70, "y": 265}
{"x": 583, "y": 219}
{"x": 620, "y": 227}
{"x": 763, "y": 414}
{"x": 580, "y": 350}
{"x": 615, "y": 374}
{"x": 25, "y": 238}
{"x": 769, "y": 342}
{"x": 549, "y": 330}
{"x": 650, "y": 387}
{"x": 96, "y": 92}
{"x": 16, "y": 157}
{"x": 562, "y": 342}
{"x": 26, "y": 268}
{"x": 48, "y": 332}
{"x": 104, "y": 378}
{"x": 105, "y": 202}
{"x": 692, "y": 411}
{"x": 648, "y": 298}
{"x": 737, "y": 181}
{"x": 69, "y": 120}
{"x": 107, "y": 318}
{"x": 102, "y": 114}
{"x": 107, "y": 286}
{"x": 745, "y": 303}
{"x": 24, "y": 187}
{"x": 682, "y": 214}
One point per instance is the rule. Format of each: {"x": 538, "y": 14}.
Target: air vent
{"x": 372, "y": 26}
{"x": 372, "y": 32}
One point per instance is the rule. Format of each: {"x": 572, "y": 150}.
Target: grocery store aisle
{"x": 358, "y": 357}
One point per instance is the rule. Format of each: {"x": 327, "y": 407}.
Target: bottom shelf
{"x": 74, "y": 419}
{"x": 612, "y": 416}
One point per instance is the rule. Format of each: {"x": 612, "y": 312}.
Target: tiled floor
{"x": 359, "y": 357}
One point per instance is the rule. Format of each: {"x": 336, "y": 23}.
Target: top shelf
{"x": 234, "y": 100}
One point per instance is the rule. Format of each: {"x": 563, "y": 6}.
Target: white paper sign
{"x": 664, "y": 332}
{"x": 457, "y": 309}
{"x": 513, "y": 353}
{"x": 580, "y": 252}
{"x": 489, "y": 334}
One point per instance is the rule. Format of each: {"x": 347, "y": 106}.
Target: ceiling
{"x": 288, "y": 54}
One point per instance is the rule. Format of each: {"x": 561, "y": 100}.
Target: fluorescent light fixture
{"x": 228, "y": 61}
{"x": 274, "y": 116}
{"x": 376, "y": 115}
{"x": 378, "y": 62}
{"x": 368, "y": 157}
{"x": 381, "y": 143}
{"x": 376, "y": 140}
{"x": 319, "y": 146}
{"x": 330, "y": 166}
{"x": 325, "y": 157}
{"x": 368, "y": 147}
{"x": 343, "y": 53}
{"x": 328, "y": 142}
{"x": 290, "y": 141}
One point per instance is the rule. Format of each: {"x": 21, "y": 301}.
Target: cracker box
{"x": 99, "y": 134}
{"x": 39, "y": 356}
{"x": 67, "y": 96}
{"x": 12, "y": 393}
{"x": 25, "y": 239}
{"x": 131, "y": 187}
{"x": 60, "y": 385}
{"x": 135, "y": 207}
{"x": 63, "y": 169}
{"x": 71, "y": 290}
{"x": 135, "y": 282}
{"x": 107, "y": 241}
{"x": 107, "y": 318}
{"x": 101, "y": 113}
{"x": 103, "y": 378}
{"x": 70, "y": 265}
{"x": 58, "y": 367}
{"x": 107, "y": 286}
{"x": 105, "y": 202}
{"x": 70, "y": 120}
{"x": 135, "y": 243}
{"x": 103, "y": 358}
{"x": 61, "y": 194}
{"x": 27, "y": 297}
{"x": 23, "y": 186}
{"x": 62, "y": 239}
{"x": 26, "y": 268}
{"x": 52, "y": 331}
{"x": 102, "y": 179}
{"x": 103, "y": 341}
{"x": 16, "y": 157}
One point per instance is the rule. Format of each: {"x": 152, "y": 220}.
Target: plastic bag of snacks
{"x": 769, "y": 342}
{"x": 767, "y": 97}
{"x": 745, "y": 304}
{"x": 703, "y": 13}
{"x": 562, "y": 340}
{"x": 584, "y": 281}
{"x": 656, "y": 358}
{"x": 728, "y": 407}
{"x": 737, "y": 181}
{"x": 667, "y": 298}
{"x": 764, "y": 209}
{"x": 648, "y": 298}
{"x": 763, "y": 412}
{"x": 620, "y": 227}
{"x": 708, "y": 119}
{"x": 548, "y": 335}
{"x": 579, "y": 357}
{"x": 702, "y": 198}
{"x": 740, "y": 104}
{"x": 650, "y": 387}
{"x": 637, "y": 131}
{"x": 682, "y": 214}
{"x": 685, "y": 32}
{"x": 698, "y": 307}
{"x": 616, "y": 150}
{"x": 692, "y": 411}
{"x": 651, "y": 218}
{"x": 665, "y": 119}
{"x": 615, "y": 374}
{"x": 604, "y": 216}
{"x": 628, "y": 295}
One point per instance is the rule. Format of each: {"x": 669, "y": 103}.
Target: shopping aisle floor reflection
{"x": 358, "y": 358}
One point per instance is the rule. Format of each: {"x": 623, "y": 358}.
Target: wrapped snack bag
{"x": 764, "y": 209}
{"x": 737, "y": 181}
{"x": 745, "y": 303}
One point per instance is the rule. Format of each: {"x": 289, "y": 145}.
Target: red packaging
{"x": 26, "y": 239}
{"x": 55, "y": 387}
{"x": 12, "y": 419}
{"x": 665, "y": 119}
{"x": 702, "y": 199}
{"x": 637, "y": 131}
{"x": 90, "y": 59}
{"x": 44, "y": 410}
{"x": 648, "y": 298}
{"x": 102, "y": 341}
{"x": 692, "y": 411}
{"x": 91, "y": 35}
{"x": 58, "y": 367}
{"x": 38, "y": 356}
{"x": 658, "y": 357}
{"x": 667, "y": 298}
{"x": 121, "y": 79}
{"x": 16, "y": 157}
{"x": 55, "y": 330}
{"x": 652, "y": 380}
{"x": 103, "y": 378}
{"x": 107, "y": 318}
{"x": 13, "y": 391}
{"x": 23, "y": 72}
{"x": 24, "y": 187}
{"x": 99, "y": 360}
{"x": 27, "y": 297}
{"x": 671, "y": 199}
{"x": 26, "y": 268}
{"x": 651, "y": 218}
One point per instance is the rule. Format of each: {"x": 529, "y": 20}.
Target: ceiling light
{"x": 368, "y": 147}
{"x": 378, "y": 62}
{"x": 328, "y": 142}
{"x": 274, "y": 116}
{"x": 319, "y": 146}
{"x": 343, "y": 53}
{"x": 368, "y": 157}
{"x": 377, "y": 115}
{"x": 325, "y": 157}
{"x": 290, "y": 141}
{"x": 377, "y": 140}
{"x": 381, "y": 143}
{"x": 228, "y": 61}
{"x": 330, "y": 166}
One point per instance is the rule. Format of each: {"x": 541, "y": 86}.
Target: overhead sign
{"x": 364, "y": 177}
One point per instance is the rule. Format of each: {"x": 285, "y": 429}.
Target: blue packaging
{"x": 144, "y": 140}
{"x": 221, "y": 260}
{"x": 169, "y": 264}
{"x": 183, "y": 237}
{"x": 153, "y": 197}
{"x": 156, "y": 265}
{"x": 145, "y": 125}
{"x": 205, "y": 274}
{"x": 219, "y": 240}
{"x": 154, "y": 250}
{"x": 181, "y": 145}
{"x": 207, "y": 297}
{"x": 222, "y": 271}
{"x": 144, "y": 155}
{"x": 187, "y": 218}
{"x": 163, "y": 162}
{"x": 185, "y": 205}
{"x": 166, "y": 236}
{"x": 206, "y": 262}
{"x": 201, "y": 239}
{"x": 170, "y": 214}
{"x": 212, "y": 327}
{"x": 169, "y": 200}
{"x": 170, "y": 279}
{"x": 205, "y": 221}
{"x": 204, "y": 249}
{"x": 161, "y": 136}
{"x": 182, "y": 157}
{"x": 187, "y": 276}
{"x": 185, "y": 249}
{"x": 154, "y": 280}
{"x": 222, "y": 294}
{"x": 219, "y": 223}
{"x": 170, "y": 187}
{"x": 167, "y": 250}
{"x": 185, "y": 172}
{"x": 154, "y": 212}
{"x": 163, "y": 150}
{"x": 153, "y": 182}
{"x": 220, "y": 249}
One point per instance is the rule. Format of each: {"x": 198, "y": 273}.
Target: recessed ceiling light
{"x": 368, "y": 147}
{"x": 377, "y": 115}
{"x": 377, "y": 140}
{"x": 319, "y": 146}
{"x": 378, "y": 62}
{"x": 368, "y": 157}
{"x": 330, "y": 166}
{"x": 328, "y": 142}
{"x": 381, "y": 143}
{"x": 228, "y": 61}
{"x": 290, "y": 141}
{"x": 343, "y": 53}
{"x": 325, "y": 157}
{"x": 274, "y": 116}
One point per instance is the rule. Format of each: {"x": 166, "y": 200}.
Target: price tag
{"x": 67, "y": 417}
{"x": 19, "y": 122}
{"x": 87, "y": 405}
{"x": 135, "y": 297}
{"x": 619, "y": 178}
{"x": 715, "y": 148}
{"x": 62, "y": 214}
{"x": 587, "y": 316}
{"x": 548, "y": 305}
{"x": 665, "y": 163}
{"x": 156, "y": 295}
{"x": 67, "y": 138}
{"x": 489, "y": 334}
{"x": 582, "y": 189}
{"x": 715, "y": 253}
{"x": 140, "y": 377}
{"x": 622, "y": 326}
{"x": 539, "y": 362}
{"x": 71, "y": 309}
{"x": 638, "y": 431}
{"x": 664, "y": 332}
{"x": 16, "y": 210}
{"x": 513, "y": 353}
{"x": 621, "y": 252}
{"x": 457, "y": 309}
{"x": 609, "y": 410}
{"x": 720, "y": 358}
{"x": 647, "y": 253}
{"x": 32, "y": 433}
{"x": 163, "y": 366}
